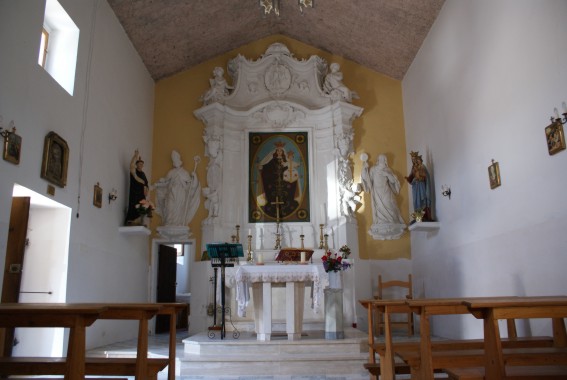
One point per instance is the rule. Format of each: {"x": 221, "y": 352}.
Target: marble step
{"x": 309, "y": 356}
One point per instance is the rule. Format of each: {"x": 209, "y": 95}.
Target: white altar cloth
{"x": 261, "y": 277}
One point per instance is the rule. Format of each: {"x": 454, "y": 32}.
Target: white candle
{"x": 249, "y": 232}
{"x": 260, "y": 258}
{"x": 302, "y": 257}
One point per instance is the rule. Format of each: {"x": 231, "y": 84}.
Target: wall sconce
{"x": 6, "y": 132}
{"x": 558, "y": 118}
{"x": 446, "y": 191}
{"x": 112, "y": 196}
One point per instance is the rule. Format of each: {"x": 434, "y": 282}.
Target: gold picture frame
{"x": 12, "y": 148}
{"x": 97, "y": 196}
{"x": 555, "y": 137}
{"x": 494, "y": 175}
{"x": 55, "y": 159}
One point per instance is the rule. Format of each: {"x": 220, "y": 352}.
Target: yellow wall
{"x": 380, "y": 129}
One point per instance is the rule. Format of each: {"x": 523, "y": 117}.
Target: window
{"x": 43, "y": 46}
{"x": 59, "y": 44}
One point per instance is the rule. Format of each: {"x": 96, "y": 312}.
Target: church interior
{"x": 426, "y": 137}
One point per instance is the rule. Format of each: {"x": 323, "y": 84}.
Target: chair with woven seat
{"x": 401, "y": 289}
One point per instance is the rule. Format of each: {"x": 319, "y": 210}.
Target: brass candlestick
{"x": 326, "y": 242}
{"x": 321, "y": 246}
{"x": 278, "y": 236}
{"x": 233, "y": 238}
{"x": 249, "y": 258}
{"x": 237, "y": 233}
{"x": 302, "y": 237}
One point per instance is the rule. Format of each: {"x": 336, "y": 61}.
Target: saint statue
{"x": 383, "y": 186}
{"x": 178, "y": 193}
{"x": 420, "y": 186}
{"x": 138, "y": 188}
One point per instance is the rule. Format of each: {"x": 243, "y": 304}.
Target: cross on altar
{"x": 277, "y": 203}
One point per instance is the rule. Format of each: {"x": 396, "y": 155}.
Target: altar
{"x": 261, "y": 278}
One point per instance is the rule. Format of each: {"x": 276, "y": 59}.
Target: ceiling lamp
{"x": 274, "y": 5}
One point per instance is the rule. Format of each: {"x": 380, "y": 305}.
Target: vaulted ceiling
{"x": 174, "y": 35}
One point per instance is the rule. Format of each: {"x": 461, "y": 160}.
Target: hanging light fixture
{"x": 274, "y": 5}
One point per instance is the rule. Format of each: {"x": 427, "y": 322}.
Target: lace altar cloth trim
{"x": 245, "y": 276}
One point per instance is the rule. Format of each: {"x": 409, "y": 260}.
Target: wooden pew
{"x": 72, "y": 316}
{"x": 33, "y": 366}
{"x": 499, "y": 362}
{"x": 141, "y": 366}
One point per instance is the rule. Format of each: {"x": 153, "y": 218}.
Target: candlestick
{"x": 278, "y": 236}
{"x": 321, "y": 236}
{"x": 233, "y": 238}
{"x": 326, "y": 242}
{"x": 302, "y": 237}
{"x": 249, "y": 259}
{"x": 237, "y": 233}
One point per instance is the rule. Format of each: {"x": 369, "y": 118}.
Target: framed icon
{"x": 97, "y": 196}
{"x": 555, "y": 137}
{"x": 494, "y": 175}
{"x": 55, "y": 159}
{"x": 12, "y": 147}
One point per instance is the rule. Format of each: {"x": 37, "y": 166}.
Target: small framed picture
{"x": 55, "y": 159}
{"x": 494, "y": 175}
{"x": 97, "y": 196}
{"x": 12, "y": 147}
{"x": 555, "y": 137}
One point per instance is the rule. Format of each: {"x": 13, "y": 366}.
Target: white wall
{"x": 483, "y": 87}
{"x": 107, "y": 118}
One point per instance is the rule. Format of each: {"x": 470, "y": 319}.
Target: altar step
{"x": 312, "y": 355}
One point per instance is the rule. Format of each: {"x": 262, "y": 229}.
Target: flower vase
{"x": 335, "y": 280}
{"x": 144, "y": 221}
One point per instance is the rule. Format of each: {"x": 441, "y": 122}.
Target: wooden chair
{"x": 402, "y": 286}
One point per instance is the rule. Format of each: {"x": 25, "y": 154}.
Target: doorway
{"x": 44, "y": 270}
{"x": 170, "y": 281}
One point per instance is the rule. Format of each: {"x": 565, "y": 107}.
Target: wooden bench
{"x": 516, "y": 373}
{"x": 93, "y": 366}
{"x": 538, "y": 356}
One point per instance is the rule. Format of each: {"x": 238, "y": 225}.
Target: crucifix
{"x": 277, "y": 203}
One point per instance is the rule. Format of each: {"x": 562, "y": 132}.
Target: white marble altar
{"x": 261, "y": 278}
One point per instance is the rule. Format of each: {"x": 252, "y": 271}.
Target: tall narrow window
{"x": 43, "y": 46}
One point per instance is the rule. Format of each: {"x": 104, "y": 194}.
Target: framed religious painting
{"x": 494, "y": 175}
{"x": 97, "y": 195}
{"x": 55, "y": 159}
{"x": 555, "y": 137}
{"x": 12, "y": 147}
{"x": 279, "y": 177}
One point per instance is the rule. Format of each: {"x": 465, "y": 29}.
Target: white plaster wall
{"x": 109, "y": 116}
{"x": 483, "y": 87}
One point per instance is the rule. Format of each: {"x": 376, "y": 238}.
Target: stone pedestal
{"x": 334, "y": 314}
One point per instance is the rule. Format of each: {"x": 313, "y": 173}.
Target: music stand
{"x": 222, "y": 255}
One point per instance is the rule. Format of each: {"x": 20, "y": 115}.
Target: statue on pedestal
{"x": 139, "y": 189}
{"x": 178, "y": 196}
{"x": 420, "y": 187}
{"x": 383, "y": 187}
